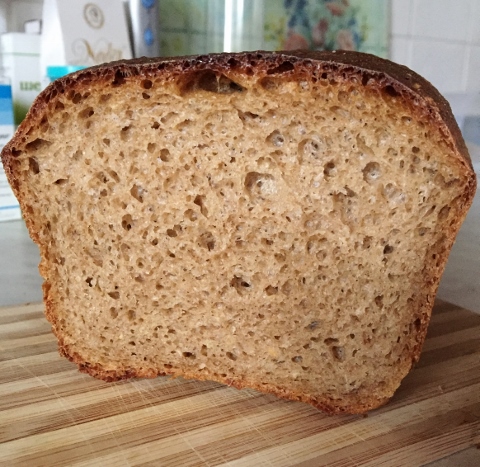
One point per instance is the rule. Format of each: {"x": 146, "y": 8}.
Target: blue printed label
{"x": 6, "y": 105}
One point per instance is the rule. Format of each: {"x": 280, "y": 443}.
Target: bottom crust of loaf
{"x": 357, "y": 402}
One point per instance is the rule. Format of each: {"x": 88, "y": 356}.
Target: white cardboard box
{"x": 20, "y": 53}
{"x": 84, "y": 33}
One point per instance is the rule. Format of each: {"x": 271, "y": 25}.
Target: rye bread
{"x": 278, "y": 221}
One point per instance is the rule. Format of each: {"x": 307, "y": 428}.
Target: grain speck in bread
{"x": 267, "y": 220}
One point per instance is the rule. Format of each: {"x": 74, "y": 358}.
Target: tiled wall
{"x": 440, "y": 39}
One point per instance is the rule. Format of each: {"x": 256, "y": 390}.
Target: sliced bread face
{"x": 265, "y": 220}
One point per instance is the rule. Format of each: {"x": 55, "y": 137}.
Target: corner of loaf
{"x": 267, "y": 220}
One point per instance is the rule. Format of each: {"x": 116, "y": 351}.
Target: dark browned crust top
{"x": 418, "y": 94}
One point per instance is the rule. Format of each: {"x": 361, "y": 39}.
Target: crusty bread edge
{"x": 423, "y": 99}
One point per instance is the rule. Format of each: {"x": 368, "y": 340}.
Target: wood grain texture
{"x": 50, "y": 414}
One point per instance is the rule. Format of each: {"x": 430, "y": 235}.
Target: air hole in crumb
{"x": 422, "y": 231}
{"x": 443, "y": 214}
{"x": 330, "y": 169}
{"x": 388, "y": 249}
{"x": 391, "y": 91}
{"x": 86, "y": 113}
{"x": 189, "y": 355}
{"x": 204, "y": 351}
{"x": 207, "y": 240}
{"x": 114, "y": 175}
{"x": 165, "y": 155}
{"x": 89, "y": 281}
{"x": 371, "y": 172}
{"x": 231, "y": 356}
{"x": 127, "y": 222}
{"x": 246, "y": 116}
{"x": 200, "y": 201}
{"x": 131, "y": 315}
{"x": 287, "y": 287}
{"x": 284, "y": 67}
{"x": 119, "y": 79}
{"x": 379, "y": 301}
{"x": 260, "y": 184}
{"x": 77, "y": 97}
{"x": 61, "y": 181}
{"x": 191, "y": 215}
{"x": 330, "y": 340}
{"x": 147, "y": 84}
{"x": 125, "y": 132}
{"x": 33, "y": 165}
{"x": 171, "y": 233}
{"x": 208, "y": 80}
{"x": 275, "y": 138}
{"x": 104, "y": 98}
{"x": 114, "y": 295}
{"x": 269, "y": 84}
{"x": 145, "y": 95}
{"x": 312, "y": 149}
{"x": 137, "y": 192}
{"x": 297, "y": 359}
{"x": 270, "y": 290}
{"x": 240, "y": 285}
{"x": 113, "y": 312}
{"x": 367, "y": 78}
{"x": 338, "y": 353}
{"x": 155, "y": 125}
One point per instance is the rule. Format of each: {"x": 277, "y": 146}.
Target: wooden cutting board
{"x": 50, "y": 414}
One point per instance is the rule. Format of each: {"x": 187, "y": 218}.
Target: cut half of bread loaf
{"x": 267, "y": 220}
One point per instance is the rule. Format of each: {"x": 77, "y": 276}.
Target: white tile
{"x": 443, "y": 19}
{"x": 21, "y": 11}
{"x": 475, "y": 24}
{"x": 402, "y": 16}
{"x": 441, "y": 62}
{"x": 473, "y": 69}
{"x": 400, "y": 50}
{"x": 3, "y": 18}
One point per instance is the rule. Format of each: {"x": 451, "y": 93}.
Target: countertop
{"x": 51, "y": 414}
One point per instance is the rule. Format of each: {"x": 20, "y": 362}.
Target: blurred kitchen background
{"x": 440, "y": 39}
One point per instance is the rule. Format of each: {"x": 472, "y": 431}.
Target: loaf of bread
{"x": 275, "y": 221}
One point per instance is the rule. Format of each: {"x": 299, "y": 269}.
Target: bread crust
{"x": 424, "y": 98}
{"x": 397, "y": 81}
